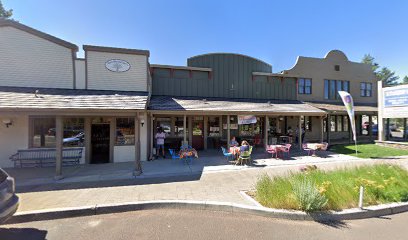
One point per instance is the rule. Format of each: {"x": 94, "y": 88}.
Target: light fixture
{"x": 142, "y": 122}
{"x": 7, "y": 122}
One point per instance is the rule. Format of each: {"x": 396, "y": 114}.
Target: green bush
{"x": 308, "y": 195}
{"x": 334, "y": 190}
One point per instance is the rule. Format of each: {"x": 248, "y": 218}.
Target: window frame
{"x": 302, "y": 86}
{"x": 331, "y": 88}
{"x": 365, "y": 91}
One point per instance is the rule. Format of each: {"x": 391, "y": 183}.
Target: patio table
{"x": 185, "y": 153}
{"x": 277, "y": 147}
{"x": 234, "y": 150}
{"x": 315, "y": 147}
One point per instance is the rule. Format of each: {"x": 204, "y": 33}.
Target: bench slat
{"x": 47, "y": 156}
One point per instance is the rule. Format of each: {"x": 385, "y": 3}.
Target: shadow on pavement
{"x": 334, "y": 224}
{"x": 22, "y": 234}
{"x": 107, "y": 183}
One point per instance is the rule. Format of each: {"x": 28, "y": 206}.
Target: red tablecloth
{"x": 188, "y": 153}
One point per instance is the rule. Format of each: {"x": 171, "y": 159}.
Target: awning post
{"x": 59, "y": 129}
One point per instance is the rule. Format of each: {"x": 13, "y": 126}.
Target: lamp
{"x": 7, "y": 122}
{"x": 142, "y": 122}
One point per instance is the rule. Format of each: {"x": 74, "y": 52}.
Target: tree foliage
{"x": 383, "y": 73}
{"x": 5, "y": 13}
{"x": 405, "y": 80}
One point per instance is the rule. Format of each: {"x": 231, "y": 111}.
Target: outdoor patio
{"x": 207, "y": 162}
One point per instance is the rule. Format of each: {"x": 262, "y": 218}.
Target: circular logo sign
{"x": 117, "y": 65}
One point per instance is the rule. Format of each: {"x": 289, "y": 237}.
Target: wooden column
{"x": 112, "y": 138}
{"x": 328, "y": 128}
{"x": 228, "y": 131}
{"x": 370, "y": 120}
{"x": 87, "y": 139}
{"x": 300, "y": 133}
{"x": 59, "y": 132}
{"x": 185, "y": 130}
{"x": 205, "y": 132}
{"x": 151, "y": 131}
{"x": 190, "y": 130}
{"x": 266, "y": 127}
{"x": 321, "y": 129}
{"x": 138, "y": 166}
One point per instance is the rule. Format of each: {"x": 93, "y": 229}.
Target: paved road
{"x": 188, "y": 224}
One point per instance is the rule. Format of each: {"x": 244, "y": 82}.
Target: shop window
{"x": 179, "y": 127}
{"x": 332, "y": 123}
{"x": 125, "y": 131}
{"x": 339, "y": 126}
{"x": 345, "y": 123}
{"x": 43, "y": 132}
{"x": 74, "y": 132}
{"x": 214, "y": 127}
{"x": 307, "y": 123}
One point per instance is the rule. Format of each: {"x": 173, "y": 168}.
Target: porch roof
{"x": 232, "y": 105}
{"x": 19, "y": 98}
{"x": 339, "y": 107}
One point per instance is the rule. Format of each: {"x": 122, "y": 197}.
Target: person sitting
{"x": 233, "y": 142}
{"x": 244, "y": 146}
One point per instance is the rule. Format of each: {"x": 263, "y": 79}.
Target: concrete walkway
{"x": 222, "y": 185}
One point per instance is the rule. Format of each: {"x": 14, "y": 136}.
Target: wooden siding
{"x": 100, "y": 78}
{"x": 231, "y": 77}
{"x": 30, "y": 61}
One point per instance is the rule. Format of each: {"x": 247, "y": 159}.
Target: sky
{"x": 273, "y": 31}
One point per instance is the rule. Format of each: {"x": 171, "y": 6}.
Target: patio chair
{"x": 173, "y": 154}
{"x": 286, "y": 149}
{"x": 227, "y": 154}
{"x": 245, "y": 157}
{"x": 308, "y": 150}
{"x": 272, "y": 151}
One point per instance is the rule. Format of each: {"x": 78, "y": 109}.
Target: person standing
{"x": 160, "y": 136}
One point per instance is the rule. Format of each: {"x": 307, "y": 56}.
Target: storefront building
{"x": 111, "y": 102}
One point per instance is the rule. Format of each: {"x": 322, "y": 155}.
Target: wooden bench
{"x": 45, "y": 157}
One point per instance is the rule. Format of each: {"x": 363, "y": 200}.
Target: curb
{"x": 349, "y": 214}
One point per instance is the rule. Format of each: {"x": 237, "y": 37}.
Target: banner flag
{"x": 348, "y": 102}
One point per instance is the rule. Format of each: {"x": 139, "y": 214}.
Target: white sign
{"x": 117, "y": 65}
{"x": 246, "y": 119}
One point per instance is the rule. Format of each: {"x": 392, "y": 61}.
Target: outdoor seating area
{"x": 311, "y": 148}
{"x": 186, "y": 153}
{"x": 279, "y": 150}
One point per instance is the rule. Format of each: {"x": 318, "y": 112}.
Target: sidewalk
{"x": 221, "y": 186}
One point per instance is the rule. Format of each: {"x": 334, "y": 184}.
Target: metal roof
{"x": 288, "y": 107}
{"x": 339, "y": 106}
{"x": 47, "y": 98}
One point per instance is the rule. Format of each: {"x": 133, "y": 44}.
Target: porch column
{"x": 185, "y": 130}
{"x": 112, "y": 138}
{"x": 190, "y": 130}
{"x": 151, "y": 130}
{"x": 266, "y": 131}
{"x": 138, "y": 166}
{"x": 59, "y": 130}
{"x": 205, "y": 131}
{"x": 328, "y": 128}
{"x": 228, "y": 131}
{"x": 87, "y": 139}
{"x": 300, "y": 132}
{"x": 321, "y": 129}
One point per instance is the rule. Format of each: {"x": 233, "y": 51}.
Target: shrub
{"x": 308, "y": 195}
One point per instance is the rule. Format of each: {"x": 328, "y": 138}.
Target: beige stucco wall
{"x": 80, "y": 74}
{"x": 99, "y": 77}
{"x": 30, "y": 61}
{"x": 12, "y": 138}
{"x": 319, "y": 69}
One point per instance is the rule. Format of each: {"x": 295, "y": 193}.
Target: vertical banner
{"x": 348, "y": 102}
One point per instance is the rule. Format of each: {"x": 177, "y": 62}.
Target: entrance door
{"x": 100, "y": 143}
{"x": 198, "y": 133}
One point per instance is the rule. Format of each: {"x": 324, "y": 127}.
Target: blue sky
{"x": 273, "y": 31}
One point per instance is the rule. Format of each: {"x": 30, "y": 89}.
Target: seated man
{"x": 233, "y": 142}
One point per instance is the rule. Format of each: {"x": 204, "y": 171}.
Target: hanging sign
{"x": 246, "y": 119}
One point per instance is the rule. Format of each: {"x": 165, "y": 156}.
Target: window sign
{"x": 246, "y": 119}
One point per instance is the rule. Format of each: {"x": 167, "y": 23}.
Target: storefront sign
{"x": 246, "y": 119}
{"x": 117, "y": 65}
{"x": 232, "y": 126}
{"x": 396, "y": 97}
